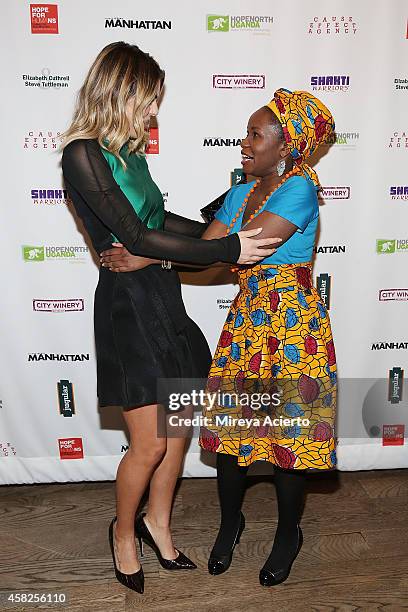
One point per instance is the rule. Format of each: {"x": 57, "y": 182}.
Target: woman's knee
{"x": 143, "y": 425}
{"x": 149, "y": 452}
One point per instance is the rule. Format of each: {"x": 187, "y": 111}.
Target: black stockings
{"x": 290, "y": 487}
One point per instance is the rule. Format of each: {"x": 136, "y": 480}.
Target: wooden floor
{"x": 53, "y": 538}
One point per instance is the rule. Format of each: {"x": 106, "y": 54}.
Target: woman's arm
{"x": 273, "y": 225}
{"x": 86, "y": 169}
{"x": 291, "y": 211}
{"x": 181, "y": 225}
{"x": 118, "y": 258}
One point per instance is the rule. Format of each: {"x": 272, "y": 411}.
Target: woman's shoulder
{"x": 80, "y": 146}
{"x": 300, "y": 184}
{"x": 82, "y": 154}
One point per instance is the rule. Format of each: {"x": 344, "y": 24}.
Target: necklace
{"x": 295, "y": 170}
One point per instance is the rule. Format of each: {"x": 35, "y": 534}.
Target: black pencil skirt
{"x": 142, "y": 334}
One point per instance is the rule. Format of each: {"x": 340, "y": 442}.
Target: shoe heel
{"x": 141, "y": 546}
{"x": 133, "y": 581}
{"x": 144, "y": 536}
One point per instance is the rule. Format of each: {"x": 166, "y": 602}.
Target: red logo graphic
{"x": 44, "y": 18}
{"x": 153, "y": 146}
{"x": 71, "y": 448}
{"x": 393, "y": 435}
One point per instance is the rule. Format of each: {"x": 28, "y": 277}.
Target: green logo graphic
{"x": 237, "y": 176}
{"x": 385, "y": 246}
{"x": 33, "y": 253}
{"x": 218, "y": 23}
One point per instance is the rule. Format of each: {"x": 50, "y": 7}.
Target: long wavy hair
{"x": 120, "y": 71}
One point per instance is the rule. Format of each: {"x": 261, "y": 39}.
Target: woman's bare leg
{"x": 162, "y": 487}
{"x": 145, "y": 452}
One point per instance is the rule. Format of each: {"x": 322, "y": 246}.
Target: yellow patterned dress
{"x": 277, "y": 343}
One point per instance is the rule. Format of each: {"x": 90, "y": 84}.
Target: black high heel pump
{"x": 219, "y": 564}
{"x": 132, "y": 581}
{"x": 270, "y": 577}
{"x": 144, "y": 536}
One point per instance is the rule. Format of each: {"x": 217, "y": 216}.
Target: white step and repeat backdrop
{"x": 223, "y": 60}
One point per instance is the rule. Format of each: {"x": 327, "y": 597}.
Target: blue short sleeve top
{"x": 296, "y": 201}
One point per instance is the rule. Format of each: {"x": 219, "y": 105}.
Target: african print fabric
{"x": 306, "y": 124}
{"x": 276, "y": 341}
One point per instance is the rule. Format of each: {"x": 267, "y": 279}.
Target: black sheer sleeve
{"x": 87, "y": 175}
{"x": 181, "y": 225}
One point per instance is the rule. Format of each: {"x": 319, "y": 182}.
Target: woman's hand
{"x": 118, "y": 259}
{"x": 253, "y": 250}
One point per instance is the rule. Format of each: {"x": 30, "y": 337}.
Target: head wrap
{"x": 306, "y": 123}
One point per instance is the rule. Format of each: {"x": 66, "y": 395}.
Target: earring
{"x": 281, "y": 167}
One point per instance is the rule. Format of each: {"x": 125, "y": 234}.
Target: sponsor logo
{"x": 330, "y": 83}
{"x": 222, "y": 142}
{"x": 393, "y": 435}
{"x": 75, "y": 254}
{"x": 237, "y": 177}
{"x": 153, "y": 146}
{"x": 46, "y": 80}
{"x": 399, "y": 140}
{"x": 384, "y": 404}
{"x": 223, "y": 304}
{"x": 341, "y": 248}
{"x": 399, "y": 192}
{"x": 386, "y": 295}
{"x": 334, "y": 193}
{"x": 148, "y": 24}
{"x": 42, "y": 139}
{"x": 323, "y": 282}
{"x": 33, "y": 253}
{"x": 332, "y": 25}
{"x": 401, "y": 83}
{"x": 7, "y": 449}
{"x": 387, "y": 246}
{"x": 260, "y": 24}
{"x": 343, "y": 140}
{"x": 124, "y": 448}
{"x": 395, "y": 382}
{"x": 44, "y": 18}
{"x": 70, "y": 448}
{"x": 165, "y": 196}
{"x": 218, "y": 23}
{"x": 58, "y": 357}
{"x": 66, "y": 398}
{"x": 49, "y": 197}
{"x": 238, "y": 81}
{"x": 385, "y": 346}
{"x": 73, "y": 305}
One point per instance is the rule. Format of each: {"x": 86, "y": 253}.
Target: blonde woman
{"x": 142, "y": 331}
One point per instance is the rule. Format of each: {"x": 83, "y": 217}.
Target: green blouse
{"x": 138, "y": 186}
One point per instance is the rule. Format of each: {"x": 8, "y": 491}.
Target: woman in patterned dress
{"x": 142, "y": 331}
{"x": 277, "y": 338}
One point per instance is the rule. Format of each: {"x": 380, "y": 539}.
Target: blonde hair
{"x": 119, "y": 72}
